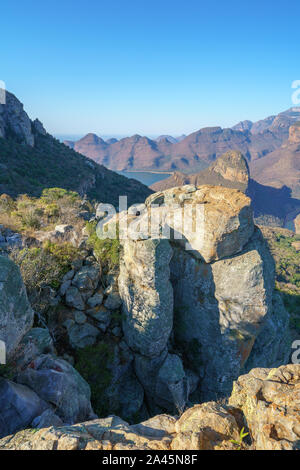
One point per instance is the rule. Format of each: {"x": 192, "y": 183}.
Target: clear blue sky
{"x": 149, "y": 67}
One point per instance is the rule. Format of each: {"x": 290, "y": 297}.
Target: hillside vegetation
{"x": 28, "y": 170}
{"x": 284, "y": 246}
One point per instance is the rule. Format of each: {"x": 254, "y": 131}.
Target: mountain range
{"x": 190, "y": 153}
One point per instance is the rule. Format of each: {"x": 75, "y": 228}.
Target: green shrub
{"x": 63, "y": 253}
{"x": 107, "y": 250}
{"x": 38, "y": 268}
{"x": 52, "y": 195}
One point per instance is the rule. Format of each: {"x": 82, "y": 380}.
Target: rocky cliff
{"x": 230, "y": 170}
{"x": 281, "y": 168}
{"x": 14, "y": 122}
{"x": 31, "y": 160}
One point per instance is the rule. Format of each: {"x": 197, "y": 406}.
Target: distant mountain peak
{"x": 92, "y": 138}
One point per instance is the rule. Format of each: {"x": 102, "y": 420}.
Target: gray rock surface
{"x": 74, "y": 299}
{"x": 81, "y": 335}
{"x": 46, "y": 419}
{"x": 19, "y": 405}
{"x": 35, "y": 343}
{"x": 16, "y": 314}
{"x": 59, "y": 384}
{"x": 147, "y": 295}
{"x": 87, "y": 278}
{"x": 14, "y": 121}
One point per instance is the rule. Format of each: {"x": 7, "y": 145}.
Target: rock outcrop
{"x": 270, "y": 401}
{"x": 38, "y": 380}
{"x": 294, "y": 134}
{"x": 273, "y": 202}
{"x": 265, "y": 402}
{"x": 14, "y": 122}
{"x": 200, "y": 309}
{"x": 57, "y": 382}
{"x": 230, "y": 170}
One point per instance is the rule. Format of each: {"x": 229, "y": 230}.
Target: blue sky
{"x": 149, "y": 67}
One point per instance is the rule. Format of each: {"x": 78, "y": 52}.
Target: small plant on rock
{"x": 240, "y": 442}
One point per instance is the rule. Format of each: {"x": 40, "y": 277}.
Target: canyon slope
{"x": 281, "y": 167}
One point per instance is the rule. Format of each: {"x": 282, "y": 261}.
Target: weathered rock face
{"x": 294, "y": 134}
{"x": 16, "y": 315}
{"x": 230, "y": 170}
{"x": 14, "y": 122}
{"x": 224, "y": 310}
{"x": 270, "y": 401}
{"x": 149, "y": 321}
{"x": 196, "y": 318}
{"x": 216, "y": 222}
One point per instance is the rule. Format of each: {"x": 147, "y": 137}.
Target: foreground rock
{"x": 58, "y": 383}
{"x": 19, "y": 406}
{"x": 270, "y": 401}
{"x": 265, "y": 401}
{"x": 16, "y": 315}
{"x": 39, "y": 381}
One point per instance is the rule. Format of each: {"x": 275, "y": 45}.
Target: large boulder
{"x": 59, "y": 384}
{"x": 205, "y": 427}
{"x": 211, "y": 222}
{"x": 237, "y": 292}
{"x": 16, "y": 314}
{"x": 19, "y": 405}
{"x": 35, "y": 343}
